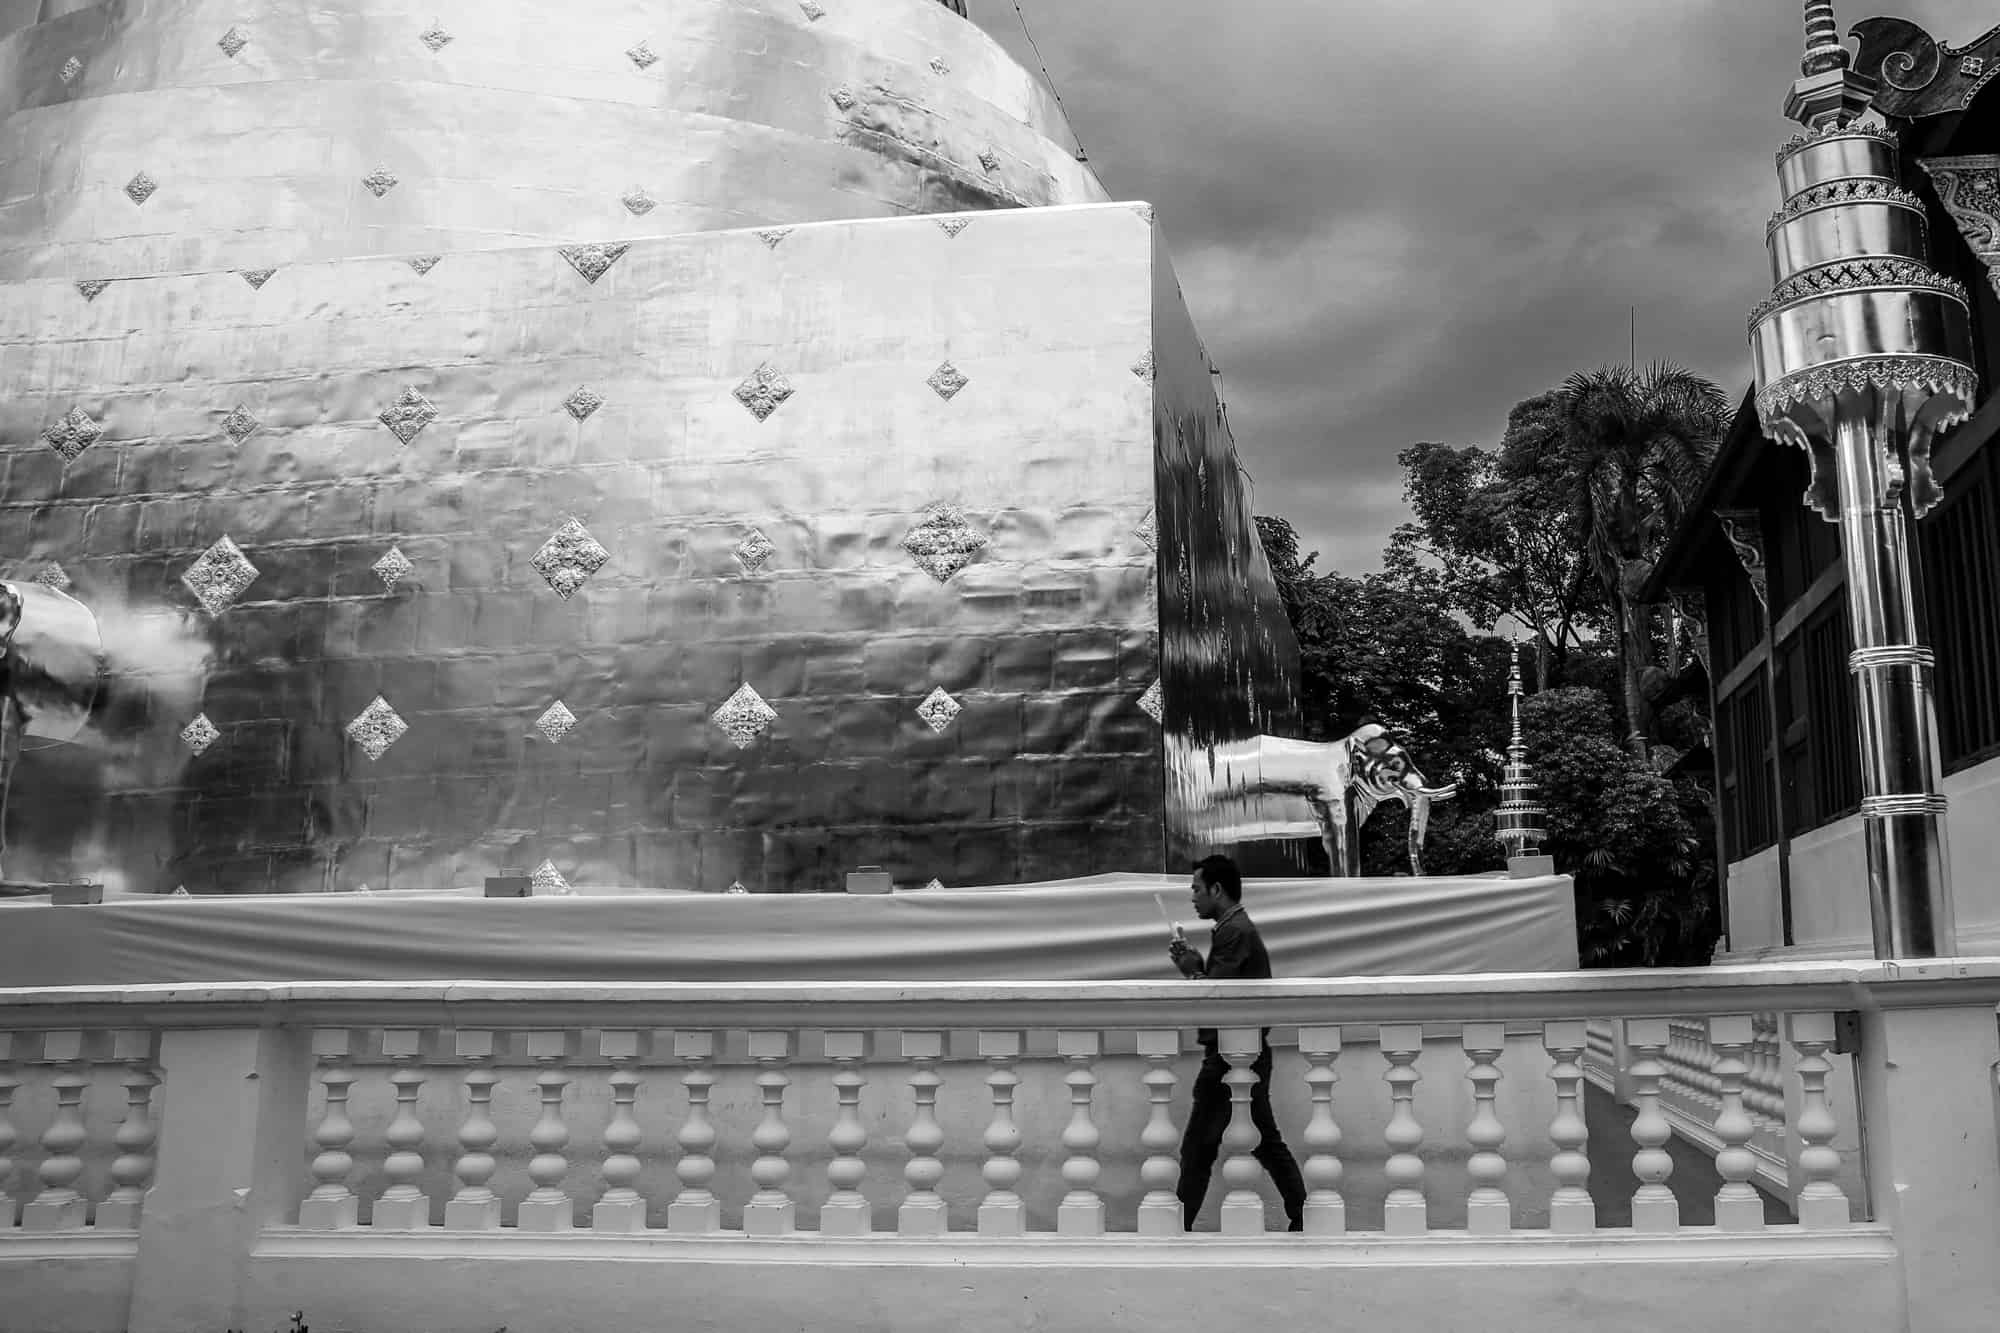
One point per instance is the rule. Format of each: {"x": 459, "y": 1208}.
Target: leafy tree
{"x": 1636, "y": 447}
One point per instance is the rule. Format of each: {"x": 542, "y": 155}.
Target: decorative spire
{"x": 1828, "y": 93}
{"x": 1519, "y": 818}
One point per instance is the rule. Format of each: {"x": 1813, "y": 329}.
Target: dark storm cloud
{"x": 1392, "y": 221}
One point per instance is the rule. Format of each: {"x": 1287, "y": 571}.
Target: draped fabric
{"x": 1104, "y": 928}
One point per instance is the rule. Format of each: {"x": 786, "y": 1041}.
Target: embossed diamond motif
{"x": 393, "y": 567}
{"x": 73, "y": 432}
{"x": 233, "y": 42}
{"x": 638, "y": 203}
{"x": 754, "y": 550}
{"x": 424, "y": 263}
{"x": 92, "y": 287}
{"x": 547, "y": 879}
{"x": 953, "y": 226}
{"x": 744, "y": 716}
{"x": 938, "y": 709}
{"x": 934, "y": 884}
{"x": 376, "y": 728}
{"x": 736, "y": 886}
{"x": 219, "y": 577}
{"x": 380, "y": 181}
{"x": 842, "y": 98}
{"x": 256, "y": 277}
{"x": 556, "y": 722}
{"x": 569, "y": 558}
{"x": 1152, "y": 702}
{"x": 812, "y": 11}
{"x": 947, "y": 380}
{"x": 641, "y": 55}
{"x": 944, "y": 542}
{"x": 592, "y": 261}
{"x": 772, "y": 235}
{"x": 1148, "y": 531}
{"x": 408, "y": 415}
{"x": 71, "y": 68}
{"x": 763, "y": 391}
{"x": 1144, "y": 367}
{"x": 140, "y": 188}
{"x": 582, "y": 402}
{"x": 938, "y": 64}
{"x": 199, "y": 734}
{"x": 436, "y": 38}
{"x": 988, "y": 160}
{"x": 239, "y": 424}
{"x": 180, "y": 891}
{"x": 54, "y": 576}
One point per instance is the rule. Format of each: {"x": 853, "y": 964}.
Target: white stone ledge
{"x": 967, "y": 1250}
{"x": 17, "y": 1246}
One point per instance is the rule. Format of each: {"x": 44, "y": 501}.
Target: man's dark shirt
{"x": 1235, "y": 952}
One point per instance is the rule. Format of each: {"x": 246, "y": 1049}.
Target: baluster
{"x": 1821, "y": 1201}
{"x": 1764, "y": 1091}
{"x": 1242, "y": 1207}
{"x": 846, "y": 1211}
{"x": 548, "y": 1207}
{"x": 1160, "y": 1210}
{"x": 1404, "y": 1211}
{"x": 1081, "y": 1212}
{"x": 1326, "y": 1211}
{"x": 332, "y": 1206}
{"x": 1002, "y": 1212}
{"x": 1677, "y": 1088}
{"x": 1738, "y": 1206}
{"x": 770, "y": 1211}
{"x": 1571, "y": 1211}
{"x": 475, "y": 1207}
{"x": 696, "y": 1208}
{"x": 1487, "y": 1210}
{"x": 59, "y": 1206}
{"x": 622, "y": 1209}
{"x": 923, "y": 1210}
{"x": 1653, "y": 1205}
{"x": 9, "y": 1136}
{"x": 132, "y": 1170}
{"x": 403, "y": 1205}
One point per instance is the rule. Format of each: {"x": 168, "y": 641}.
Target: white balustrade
{"x": 60, "y": 1206}
{"x": 770, "y": 1211}
{"x": 1738, "y": 1205}
{"x": 1326, "y": 1210}
{"x": 622, "y": 1209}
{"x": 846, "y": 1211}
{"x": 1821, "y": 1203}
{"x": 1160, "y": 1209}
{"x": 9, "y": 1136}
{"x": 1487, "y": 1209}
{"x": 1242, "y": 1207}
{"x": 1764, "y": 1084}
{"x": 923, "y": 1210}
{"x": 332, "y": 1206}
{"x": 1003, "y": 1212}
{"x": 475, "y": 1207}
{"x": 1405, "y": 1212}
{"x": 548, "y": 1206}
{"x": 696, "y": 1208}
{"x": 132, "y": 1169}
{"x": 1654, "y": 1208}
{"x": 403, "y": 1206}
{"x": 1571, "y": 1209}
{"x": 1081, "y": 1212}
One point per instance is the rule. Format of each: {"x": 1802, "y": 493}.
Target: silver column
{"x": 1862, "y": 356}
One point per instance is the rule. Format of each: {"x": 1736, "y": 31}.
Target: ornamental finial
{"x": 1517, "y": 748}
{"x": 1823, "y": 48}
{"x": 1519, "y": 822}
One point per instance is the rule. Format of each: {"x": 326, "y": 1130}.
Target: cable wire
{"x": 1049, "y": 81}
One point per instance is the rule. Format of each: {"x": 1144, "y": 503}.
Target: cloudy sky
{"x": 1395, "y": 218}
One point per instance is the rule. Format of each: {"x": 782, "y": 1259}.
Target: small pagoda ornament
{"x": 1521, "y": 816}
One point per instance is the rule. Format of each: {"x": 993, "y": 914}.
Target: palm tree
{"x": 1637, "y": 446}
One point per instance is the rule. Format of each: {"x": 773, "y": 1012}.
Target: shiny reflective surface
{"x": 283, "y": 133}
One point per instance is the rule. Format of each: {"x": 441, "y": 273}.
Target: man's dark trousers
{"x": 1203, "y": 1140}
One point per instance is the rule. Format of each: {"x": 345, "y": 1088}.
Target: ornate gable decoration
{"x": 1969, "y": 189}
{"x": 1916, "y": 76}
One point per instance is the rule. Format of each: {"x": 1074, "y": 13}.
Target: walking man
{"x": 1235, "y": 950}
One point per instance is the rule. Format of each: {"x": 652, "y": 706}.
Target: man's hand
{"x": 1185, "y": 958}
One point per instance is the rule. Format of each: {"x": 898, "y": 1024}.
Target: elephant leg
{"x": 1334, "y": 836}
